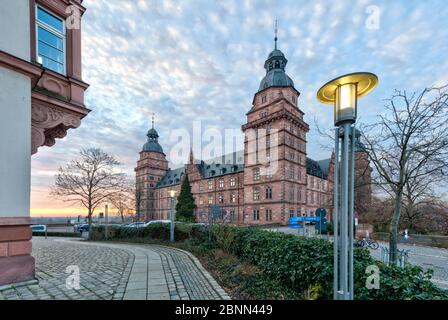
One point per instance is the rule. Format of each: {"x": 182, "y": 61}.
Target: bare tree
{"x": 124, "y": 200}
{"x": 138, "y": 200}
{"x": 89, "y": 180}
{"x": 409, "y": 142}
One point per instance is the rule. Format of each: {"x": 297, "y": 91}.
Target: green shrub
{"x": 287, "y": 265}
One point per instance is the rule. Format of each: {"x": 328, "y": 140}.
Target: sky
{"x": 193, "y": 62}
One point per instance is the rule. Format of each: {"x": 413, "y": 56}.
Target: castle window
{"x": 221, "y": 198}
{"x": 210, "y": 184}
{"x": 256, "y": 174}
{"x": 277, "y": 64}
{"x": 291, "y": 213}
{"x": 268, "y": 193}
{"x": 151, "y": 178}
{"x": 268, "y": 215}
{"x": 291, "y": 193}
{"x": 233, "y": 197}
{"x": 263, "y": 99}
{"x": 256, "y": 214}
{"x": 201, "y": 201}
{"x": 294, "y": 99}
{"x": 232, "y": 215}
{"x": 210, "y": 199}
{"x": 221, "y": 183}
{"x": 263, "y": 114}
{"x": 232, "y": 182}
{"x": 269, "y": 173}
{"x": 256, "y": 193}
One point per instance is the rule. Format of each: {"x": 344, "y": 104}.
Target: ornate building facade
{"x": 41, "y": 98}
{"x": 269, "y": 182}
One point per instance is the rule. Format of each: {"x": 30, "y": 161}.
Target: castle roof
{"x": 233, "y": 163}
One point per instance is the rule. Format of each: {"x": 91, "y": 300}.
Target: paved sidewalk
{"x": 115, "y": 271}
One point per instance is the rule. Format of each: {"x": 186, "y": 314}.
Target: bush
{"x": 288, "y": 266}
{"x": 306, "y": 265}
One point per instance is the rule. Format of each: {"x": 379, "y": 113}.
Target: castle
{"x": 243, "y": 184}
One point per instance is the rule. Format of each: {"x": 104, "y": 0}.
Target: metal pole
{"x": 351, "y": 208}
{"x": 344, "y": 212}
{"x": 107, "y": 220}
{"x": 335, "y": 216}
{"x": 172, "y": 220}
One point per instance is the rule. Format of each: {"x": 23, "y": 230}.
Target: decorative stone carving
{"x": 49, "y": 123}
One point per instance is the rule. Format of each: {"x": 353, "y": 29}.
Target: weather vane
{"x": 276, "y": 33}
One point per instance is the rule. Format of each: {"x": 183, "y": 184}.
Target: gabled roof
{"x": 318, "y": 168}
{"x": 215, "y": 167}
{"x": 233, "y": 163}
{"x": 171, "y": 178}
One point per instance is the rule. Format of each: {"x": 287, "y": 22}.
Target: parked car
{"x": 135, "y": 225}
{"x": 156, "y": 221}
{"x": 82, "y": 227}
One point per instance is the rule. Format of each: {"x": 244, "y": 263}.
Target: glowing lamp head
{"x": 344, "y": 91}
{"x": 172, "y": 193}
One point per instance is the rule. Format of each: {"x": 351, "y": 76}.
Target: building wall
{"x": 15, "y": 130}
{"x": 16, "y": 263}
{"x": 15, "y": 26}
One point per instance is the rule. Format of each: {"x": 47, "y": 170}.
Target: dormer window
{"x": 50, "y": 32}
{"x": 263, "y": 99}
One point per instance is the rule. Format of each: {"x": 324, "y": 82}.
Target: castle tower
{"x": 275, "y": 178}
{"x": 151, "y": 167}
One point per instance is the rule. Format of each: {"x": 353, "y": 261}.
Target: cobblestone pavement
{"x": 115, "y": 271}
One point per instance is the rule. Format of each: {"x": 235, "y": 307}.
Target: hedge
{"x": 301, "y": 264}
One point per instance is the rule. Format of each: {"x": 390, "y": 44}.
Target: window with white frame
{"x": 210, "y": 184}
{"x": 50, "y": 35}
{"x": 232, "y": 182}
{"x": 233, "y": 197}
{"x": 221, "y": 183}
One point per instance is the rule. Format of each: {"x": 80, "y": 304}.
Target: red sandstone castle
{"x": 245, "y": 185}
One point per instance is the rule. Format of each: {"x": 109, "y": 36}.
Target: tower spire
{"x": 152, "y": 121}
{"x": 276, "y": 33}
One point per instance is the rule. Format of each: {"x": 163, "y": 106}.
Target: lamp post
{"x": 106, "y": 210}
{"x": 343, "y": 93}
{"x": 172, "y": 215}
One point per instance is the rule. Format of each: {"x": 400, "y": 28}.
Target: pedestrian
{"x": 406, "y": 235}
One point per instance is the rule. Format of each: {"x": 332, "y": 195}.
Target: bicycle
{"x": 370, "y": 243}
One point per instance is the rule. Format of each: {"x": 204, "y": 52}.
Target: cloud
{"x": 203, "y": 60}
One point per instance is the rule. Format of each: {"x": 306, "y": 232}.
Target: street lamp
{"x": 343, "y": 92}
{"x": 106, "y": 210}
{"x": 172, "y": 214}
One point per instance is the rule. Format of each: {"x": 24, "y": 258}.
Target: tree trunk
{"x": 393, "y": 235}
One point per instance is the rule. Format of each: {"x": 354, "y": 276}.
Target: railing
{"x": 403, "y": 256}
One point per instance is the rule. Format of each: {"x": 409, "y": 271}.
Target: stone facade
{"x": 39, "y": 104}
{"x": 271, "y": 180}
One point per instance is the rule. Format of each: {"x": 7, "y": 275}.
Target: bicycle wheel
{"x": 373, "y": 244}
{"x": 359, "y": 243}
